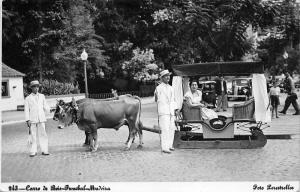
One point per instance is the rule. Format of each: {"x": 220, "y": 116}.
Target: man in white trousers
{"x": 35, "y": 109}
{"x": 164, "y": 96}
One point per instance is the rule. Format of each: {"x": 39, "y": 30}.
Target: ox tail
{"x": 138, "y": 122}
{"x": 155, "y": 128}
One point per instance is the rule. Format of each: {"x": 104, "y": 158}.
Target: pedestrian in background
{"x": 221, "y": 92}
{"x": 164, "y": 96}
{"x": 35, "y": 109}
{"x": 274, "y": 98}
{"x": 292, "y": 96}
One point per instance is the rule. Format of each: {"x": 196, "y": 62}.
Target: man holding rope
{"x": 164, "y": 96}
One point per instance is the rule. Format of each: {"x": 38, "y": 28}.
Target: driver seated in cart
{"x": 193, "y": 98}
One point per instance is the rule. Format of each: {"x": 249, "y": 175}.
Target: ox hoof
{"x": 93, "y": 150}
{"x": 140, "y": 146}
{"x": 85, "y": 145}
{"x": 126, "y": 149}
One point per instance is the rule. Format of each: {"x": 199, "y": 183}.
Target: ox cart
{"x": 220, "y": 133}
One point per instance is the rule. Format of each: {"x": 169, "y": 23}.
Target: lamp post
{"x": 285, "y": 56}
{"x": 84, "y": 57}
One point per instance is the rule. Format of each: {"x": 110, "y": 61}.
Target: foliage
{"x": 52, "y": 87}
{"x": 142, "y": 65}
{"x": 81, "y": 35}
{"x": 44, "y": 24}
{"x": 32, "y": 30}
{"x": 282, "y": 36}
{"x": 50, "y": 37}
{"x": 47, "y": 37}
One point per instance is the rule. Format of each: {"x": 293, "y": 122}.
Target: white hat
{"x": 165, "y": 72}
{"x": 34, "y": 83}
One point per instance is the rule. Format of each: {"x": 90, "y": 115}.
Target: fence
{"x": 109, "y": 95}
{"x": 144, "y": 91}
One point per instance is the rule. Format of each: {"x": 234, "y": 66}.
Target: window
{"x": 5, "y": 89}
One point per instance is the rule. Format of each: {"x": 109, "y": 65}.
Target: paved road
{"x": 70, "y": 162}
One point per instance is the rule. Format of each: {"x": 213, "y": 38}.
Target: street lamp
{"x": 285, "y": 56}
{"x": 84, "y": 57}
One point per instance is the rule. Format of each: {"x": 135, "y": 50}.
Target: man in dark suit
{"x": 292, "y": 95}
{"x": 221, "y": 92}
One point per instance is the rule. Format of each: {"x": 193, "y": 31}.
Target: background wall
{"x": 16, "y": 95}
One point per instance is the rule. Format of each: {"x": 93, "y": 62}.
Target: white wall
{"x": 16, "y": 94}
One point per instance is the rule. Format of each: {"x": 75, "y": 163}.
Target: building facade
{"x": 12, "y": 93}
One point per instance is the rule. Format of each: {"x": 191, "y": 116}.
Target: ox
{"x": 80, "y": 101}
{"x": 92, "y": 114}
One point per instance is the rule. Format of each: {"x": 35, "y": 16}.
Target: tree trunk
{"x": 40, "y": 67}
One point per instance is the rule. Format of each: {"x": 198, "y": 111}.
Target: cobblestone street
{"x": 70, "y": 162}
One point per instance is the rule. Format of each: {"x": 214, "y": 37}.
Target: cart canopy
{"x": 232, "y": 68}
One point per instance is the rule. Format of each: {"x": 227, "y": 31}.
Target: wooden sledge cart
{"x": 219, "y": 133}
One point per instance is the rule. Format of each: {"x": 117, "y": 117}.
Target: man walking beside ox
{"x": 35, "y": 108}
{"x": 164, "y": 96}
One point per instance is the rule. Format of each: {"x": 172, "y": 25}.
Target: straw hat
{"x": 165, "y": 72}
{"x": 34, "y": 83}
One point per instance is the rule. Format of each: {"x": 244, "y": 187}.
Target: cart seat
{"x": 189, "y": 113}
{"x": 244, "y": 112}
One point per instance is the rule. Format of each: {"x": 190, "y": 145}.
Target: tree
{"x": 210, "y": 30}
{"x": 12, "y": 36}
{"x": 38, "y": 28}
{"x": 80, "y": 34}
{"x": 282, "y": 36}
{"x": 44, "y": 28}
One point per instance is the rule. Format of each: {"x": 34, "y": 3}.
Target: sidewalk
{"x": 11, "y": 117}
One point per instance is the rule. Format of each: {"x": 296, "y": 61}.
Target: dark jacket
{"x": 289, "y": 85}
{"x": 218, "y": 87}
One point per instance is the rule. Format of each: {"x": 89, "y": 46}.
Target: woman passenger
{"x": 194, "y": 98}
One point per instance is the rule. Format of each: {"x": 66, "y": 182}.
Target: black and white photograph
{"x": 150, "y": 95}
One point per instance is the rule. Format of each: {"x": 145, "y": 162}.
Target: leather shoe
{"x": 297, "y": 113}
{"x": 172, "y": 149}
{"x": 166, "y": 151}
{"x": 45, "y": 153}
{"x": 283, "y": 112}
{"x": 32, "y": 154}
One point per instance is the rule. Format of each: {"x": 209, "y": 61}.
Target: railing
{"x": 109, "y": 95}
{"x": 144, "y": 91}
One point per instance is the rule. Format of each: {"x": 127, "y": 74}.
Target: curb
{"x": 145, "y": 101}
{"x": 20, "y": 121}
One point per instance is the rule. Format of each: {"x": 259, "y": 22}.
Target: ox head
{"x": 65, "y": 113}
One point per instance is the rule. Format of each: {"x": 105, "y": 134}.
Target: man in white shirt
{"x": 35, "y": 109}
{"x": 164, "y": 96}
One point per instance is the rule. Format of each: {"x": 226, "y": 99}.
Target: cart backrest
{"x": 189, "y": 113}
{"x": 244, "y": 111}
